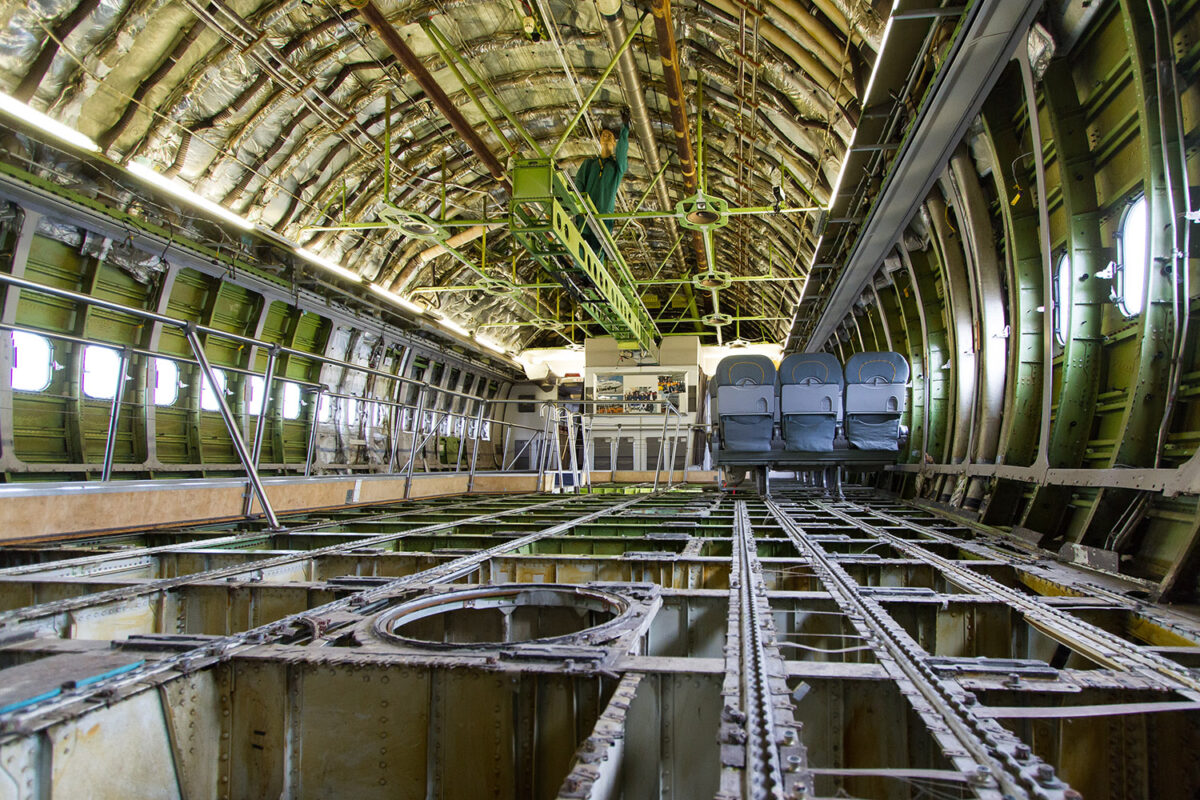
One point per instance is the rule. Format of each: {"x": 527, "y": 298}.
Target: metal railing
{"x": 248, "y": 456}
{"x": 558, "y": 414}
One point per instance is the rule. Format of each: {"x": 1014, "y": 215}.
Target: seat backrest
{"x": 744, "y": 370}
{"x": 877, "y": 368}
{"x": 745, "y": 384}
{"x": 875, "y": 395}
{"x": 744, "y": 388}
{"x": 810, "y": 383}
{"x": 810, "y": 368}
{"x": 810, "y": 401}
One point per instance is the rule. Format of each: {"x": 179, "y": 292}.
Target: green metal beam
{"x": 433, "y": 31}
{"x": 587, "y": 101}
{"x": 625, "y": 215}
{"x": 472, "y": 287}
{"x": 449, "y": 56}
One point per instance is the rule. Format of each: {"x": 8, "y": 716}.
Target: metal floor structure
{"x": 634, "y": 644}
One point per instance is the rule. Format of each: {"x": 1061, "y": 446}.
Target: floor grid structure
{"x": 633, "y": 644}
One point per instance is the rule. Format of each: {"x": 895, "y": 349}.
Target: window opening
{"x": 33, "y": 363}
{"x": 1133, "y": 257}
{"x": 101, "y": 366}
{"x": 291, "y": 400}
{"x": 208, "y": 398}
{"x": 1062, "y": 298}
{"x": 166, "y": 382}
{"x": 255, "y": 406}
{"x": 325, "y": 408}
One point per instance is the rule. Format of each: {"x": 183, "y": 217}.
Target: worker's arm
{"x": 623, "y": 149}
{"x": 583, "y": 176}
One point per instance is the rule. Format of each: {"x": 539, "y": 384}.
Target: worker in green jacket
{"x": 600, "y": 176}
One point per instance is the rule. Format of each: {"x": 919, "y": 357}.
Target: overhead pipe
{"x": 668, "y": 53}
{"x": 456, "y": 241}
{"x": 408, "y": 59}
{"x": 45, "y": 57}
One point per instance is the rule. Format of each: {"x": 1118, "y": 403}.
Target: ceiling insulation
{"x": 276, "y": 110}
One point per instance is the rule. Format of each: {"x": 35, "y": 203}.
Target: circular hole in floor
{"x": 500, "y": 615}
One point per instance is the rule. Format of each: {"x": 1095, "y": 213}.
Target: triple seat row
{"x": 808, "y": 396}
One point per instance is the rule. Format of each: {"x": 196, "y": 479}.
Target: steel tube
{"x": 239, "y": 444}
{"x": 114, "y": 416}
{"x": 312, "y": 432}
{"x": 412, "y": 450}
{"x": 260, "y": 425}
{"x": 662, "y": 443}
{"x": 542, "y": 451}
{"x": 571, "y": 444}
{"x": 475, "y": 447}
{"x": 374, "y": 17}
{"x": 462, "y": 444}
{"x": 394, "y": 441}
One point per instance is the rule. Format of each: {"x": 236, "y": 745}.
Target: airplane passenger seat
{"x": 745, "y": 402}
{"x": 875, "y": 392}
{"x": 810, "y": 400}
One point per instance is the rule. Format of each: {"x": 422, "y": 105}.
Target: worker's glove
{"x": 625, "y": 117}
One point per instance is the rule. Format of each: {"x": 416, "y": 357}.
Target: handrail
{"x": 665, "y": 451}
{"x": 302, "y": 383}
{"x": 183, "y": 325}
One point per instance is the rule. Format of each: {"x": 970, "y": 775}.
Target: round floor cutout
{"x": 496, "y": 615}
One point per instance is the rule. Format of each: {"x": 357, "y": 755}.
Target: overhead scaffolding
{"x": 542, "y": 217}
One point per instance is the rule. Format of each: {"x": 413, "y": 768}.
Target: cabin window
{"x": 325, "y": 408}
{"x": 208, "y": 397}
{"x": 291, "y": 400}
{"x": 1062, "y": 298}
{"x": 33, "y": 362}
{"x": 255, "y": 406}
{"x": 101, "y": 366}
{"x": 166, "y": 382}
{"x": 1133, "y": 258}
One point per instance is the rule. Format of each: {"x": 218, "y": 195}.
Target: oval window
{"x": 33, "y": 362}
{"x": 1062, "y": 298}
{"x": 100, "y": 368}
{"x": 166, "y": 382}
{"x": 1133, "y": 258}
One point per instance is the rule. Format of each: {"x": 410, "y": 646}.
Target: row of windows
{"x": 1129, "y": 270}
{"x": 449, "y": 423}
{"x": 34, "y": 366}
